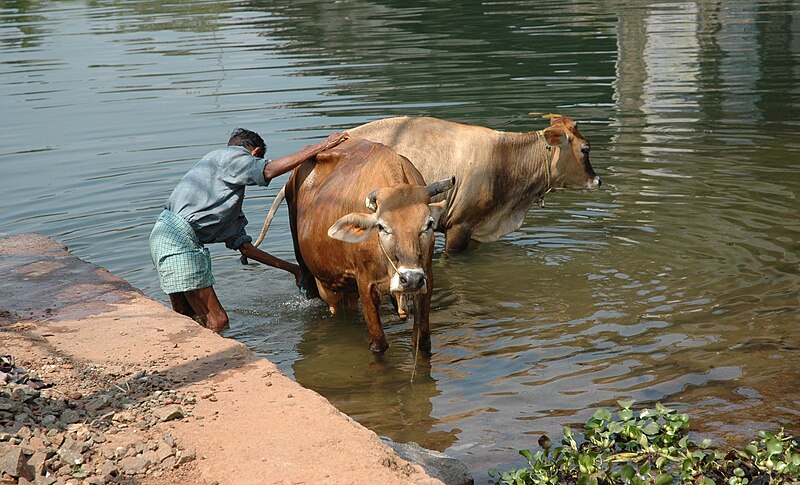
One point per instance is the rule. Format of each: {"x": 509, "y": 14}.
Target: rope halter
{"x": 544, "y": 153}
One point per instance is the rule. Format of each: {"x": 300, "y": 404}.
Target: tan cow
{"x": 499, "y": 175}
{"x": 362, "y": 226}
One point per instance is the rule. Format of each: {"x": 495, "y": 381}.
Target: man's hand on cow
{"x": 334, "y": 139}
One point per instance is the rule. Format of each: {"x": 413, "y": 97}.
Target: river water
{"x": 676, "y": 282}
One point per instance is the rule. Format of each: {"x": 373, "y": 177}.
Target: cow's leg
{"x": 370, "y": 302}
{"x": 457, "y": 238}
{"x": 304, "y": 280}
{"x": 350, "y": 301}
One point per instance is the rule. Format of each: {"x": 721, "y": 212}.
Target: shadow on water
{"x": 677, "y": 281}
{"x": 390, "y": 394}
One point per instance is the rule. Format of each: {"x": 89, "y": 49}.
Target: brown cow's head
{"x": 405, "y": 220}
{"x": 571, "y": 170}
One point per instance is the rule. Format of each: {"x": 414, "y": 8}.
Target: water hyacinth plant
{"x": 653, "y": 447}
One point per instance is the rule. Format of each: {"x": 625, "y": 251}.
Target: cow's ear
{"x": 437, "y": 209}
{"x": 353, "y": 228}
{"x": 556, "y": 136}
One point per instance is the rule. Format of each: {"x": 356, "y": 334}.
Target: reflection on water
{"x": 677, "y": 282}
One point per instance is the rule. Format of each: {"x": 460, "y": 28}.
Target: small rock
{"x": 109, "y": 470}
{"x": 124, "y": 417}
{"x": 49, "y": 420}
{"x": 48, "y": 480}
{"x": 25, "y": 433}
{"x": 151, "y": 456}
{"x": 80, "y": 475}
{"x": 56, "y": 438}
{"x": 168, "y": 439}
{"x": 97, "y": 403}
{"x": 14, "y": 462}
{"x": 168, "y": 413}
{"x": 169, "y": 462}
{"x": 186, "y": 456}
{"x": 164, "y": 452}
{"x": 24, "y": 393}
{"x": 37, "y": 462}
{"x": 70, "y": 416}
{"x": 64, "y": 471}
{"x": 134, "y": 465}
{"x": 71, "y": 451}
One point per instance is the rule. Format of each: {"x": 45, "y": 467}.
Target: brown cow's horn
{"x": 437, "y": 188}
{"x": 371, "y": 205}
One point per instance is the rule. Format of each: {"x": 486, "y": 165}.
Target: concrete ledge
{"x": 250, "y": 423}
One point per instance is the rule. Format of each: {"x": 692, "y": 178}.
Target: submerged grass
{"x": 653, "y": 447}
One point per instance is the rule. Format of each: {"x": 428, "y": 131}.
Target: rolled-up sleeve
{"x": 236, "y": 241}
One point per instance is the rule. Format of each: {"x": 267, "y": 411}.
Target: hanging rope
{"x": 544, "y": 154}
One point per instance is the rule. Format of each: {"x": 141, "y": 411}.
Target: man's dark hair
{"x": 247, "y": 139}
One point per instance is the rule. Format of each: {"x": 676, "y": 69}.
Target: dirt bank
{"x": 143, "y": 395}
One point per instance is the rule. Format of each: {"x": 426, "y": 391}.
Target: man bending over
{"x": 206, "y": 207}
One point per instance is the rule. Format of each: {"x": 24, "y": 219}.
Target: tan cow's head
{"x": 571, "y": 169}
{"x": 405, "y": 219}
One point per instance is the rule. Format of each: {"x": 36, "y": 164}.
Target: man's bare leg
{"x": 205, "y": 304}
{"x": 181, "y": 305}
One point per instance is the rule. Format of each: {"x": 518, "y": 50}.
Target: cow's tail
{"x": 272, "y": 210}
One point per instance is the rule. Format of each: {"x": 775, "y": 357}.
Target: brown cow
{"x": 499, "y": 175}
{"x": 336, "y": 242}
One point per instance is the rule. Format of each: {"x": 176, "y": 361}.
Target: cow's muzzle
{"x": 409, "y": 281}
{"x": 593, "y": 184}
{"x": 412, "y": 280}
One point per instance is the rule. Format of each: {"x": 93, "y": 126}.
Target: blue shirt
{"x": 210, "y": 195}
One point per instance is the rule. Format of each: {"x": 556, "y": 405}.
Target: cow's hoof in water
{"x": 424, "y": 348}
{"x": 378, "y": 346}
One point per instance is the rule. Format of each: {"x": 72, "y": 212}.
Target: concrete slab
{"x": 82, "y": 327}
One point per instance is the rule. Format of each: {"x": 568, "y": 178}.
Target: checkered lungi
{"x": 182, "y": 262}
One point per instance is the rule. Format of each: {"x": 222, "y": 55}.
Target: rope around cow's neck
{"x": 546, "y": 160}
{"x": 416, "y": 311}
{"x": 380, "y": 243}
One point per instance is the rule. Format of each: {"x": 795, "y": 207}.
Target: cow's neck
{"x": 544, "y": 155}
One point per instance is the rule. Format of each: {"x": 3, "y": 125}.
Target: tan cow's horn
{"x": 370, "y": 202}
{"x": 437, "y": 188}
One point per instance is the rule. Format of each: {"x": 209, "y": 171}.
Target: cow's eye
{"x": 585, "y": 150}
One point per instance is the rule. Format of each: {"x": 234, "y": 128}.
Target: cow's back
{"x": 337, "y": 181}
{"x": 438, "y": 148}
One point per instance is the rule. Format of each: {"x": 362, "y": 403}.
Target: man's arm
{"x": 284, "y": 164}
{"x": 250, "y": 251}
